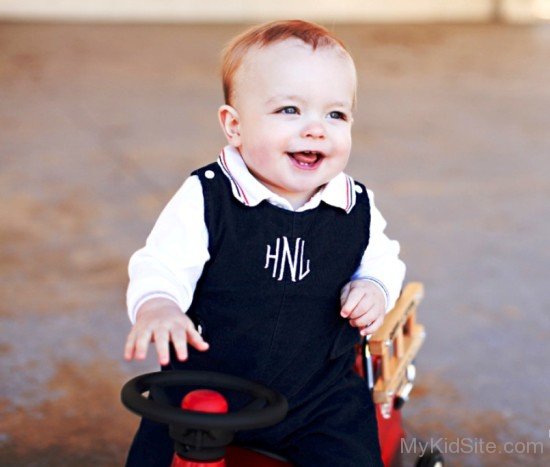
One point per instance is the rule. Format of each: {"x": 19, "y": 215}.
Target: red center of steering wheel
{"x": 205, "y": 400}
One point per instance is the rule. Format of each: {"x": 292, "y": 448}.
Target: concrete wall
{"x": 258, "y": 10}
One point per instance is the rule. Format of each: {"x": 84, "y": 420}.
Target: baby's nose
{"x": 314, "y": 129}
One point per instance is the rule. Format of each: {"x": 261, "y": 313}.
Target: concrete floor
{"x": 100, "y": 124}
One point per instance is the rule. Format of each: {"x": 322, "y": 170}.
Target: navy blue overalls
{"x": 268, "y": 303}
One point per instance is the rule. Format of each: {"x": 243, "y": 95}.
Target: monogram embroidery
{"x": 287, "y": 259}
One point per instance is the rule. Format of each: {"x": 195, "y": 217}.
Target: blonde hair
{"x": 269, "y": 33}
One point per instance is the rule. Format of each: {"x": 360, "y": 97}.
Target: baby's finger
{"x": 161, "y": 344}
{"x": 365, "y": 305}
{"x": 366, "y": 318}
{"x": 179, "y": 339}
{"x": 195, "y": 339}
{"x": 372, "y": 327}
{"x": 353, "y": 299}
{"x": 129, "y": 346}
{"x": 344, "y": 293}
{"x": 142, "y": 341}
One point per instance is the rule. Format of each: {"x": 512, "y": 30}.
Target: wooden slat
{"x": 386, "y": 387}
{"x": 410, "y": 297}
{"x": 398, "y": 343}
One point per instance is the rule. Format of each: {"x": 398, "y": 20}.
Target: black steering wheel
{"x": 267, "y": 407}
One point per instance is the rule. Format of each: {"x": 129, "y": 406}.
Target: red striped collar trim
{"x": 350, "y": 194}
{"x": 339, "y": 192}
{"x": 237, "y": 189}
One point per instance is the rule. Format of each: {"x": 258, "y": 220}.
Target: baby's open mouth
{"x": 306, "y": 159}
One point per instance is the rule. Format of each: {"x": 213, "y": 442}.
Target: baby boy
{"x": 271, "y": 263}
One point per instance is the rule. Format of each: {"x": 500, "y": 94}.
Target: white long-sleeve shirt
{"x": 172, "y": 261}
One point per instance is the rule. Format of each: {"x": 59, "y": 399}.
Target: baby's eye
{"x": 288, "y": 110}
{"x": 337, "y": 115}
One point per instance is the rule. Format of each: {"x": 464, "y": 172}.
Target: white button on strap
{"x": 358, "y": 189}
{"x": 209, "y": 174}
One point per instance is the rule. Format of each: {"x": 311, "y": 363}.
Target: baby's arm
{"x": 163, "y": 277}
{"x": 376, "y": 284}
{"x": 160, "y": 320}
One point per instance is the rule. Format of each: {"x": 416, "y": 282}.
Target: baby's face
{"x": 294, "y": 108}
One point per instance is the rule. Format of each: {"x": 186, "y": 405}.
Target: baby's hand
{"x": 363, "y": 303}
{"x": 160, "y": 320}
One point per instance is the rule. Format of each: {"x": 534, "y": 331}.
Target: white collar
{"x": 338, "y": 192}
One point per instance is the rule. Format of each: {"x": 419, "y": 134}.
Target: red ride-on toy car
{"x": 203, "y": 427}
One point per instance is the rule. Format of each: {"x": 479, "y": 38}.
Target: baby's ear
{"x": 230, "y": 122}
